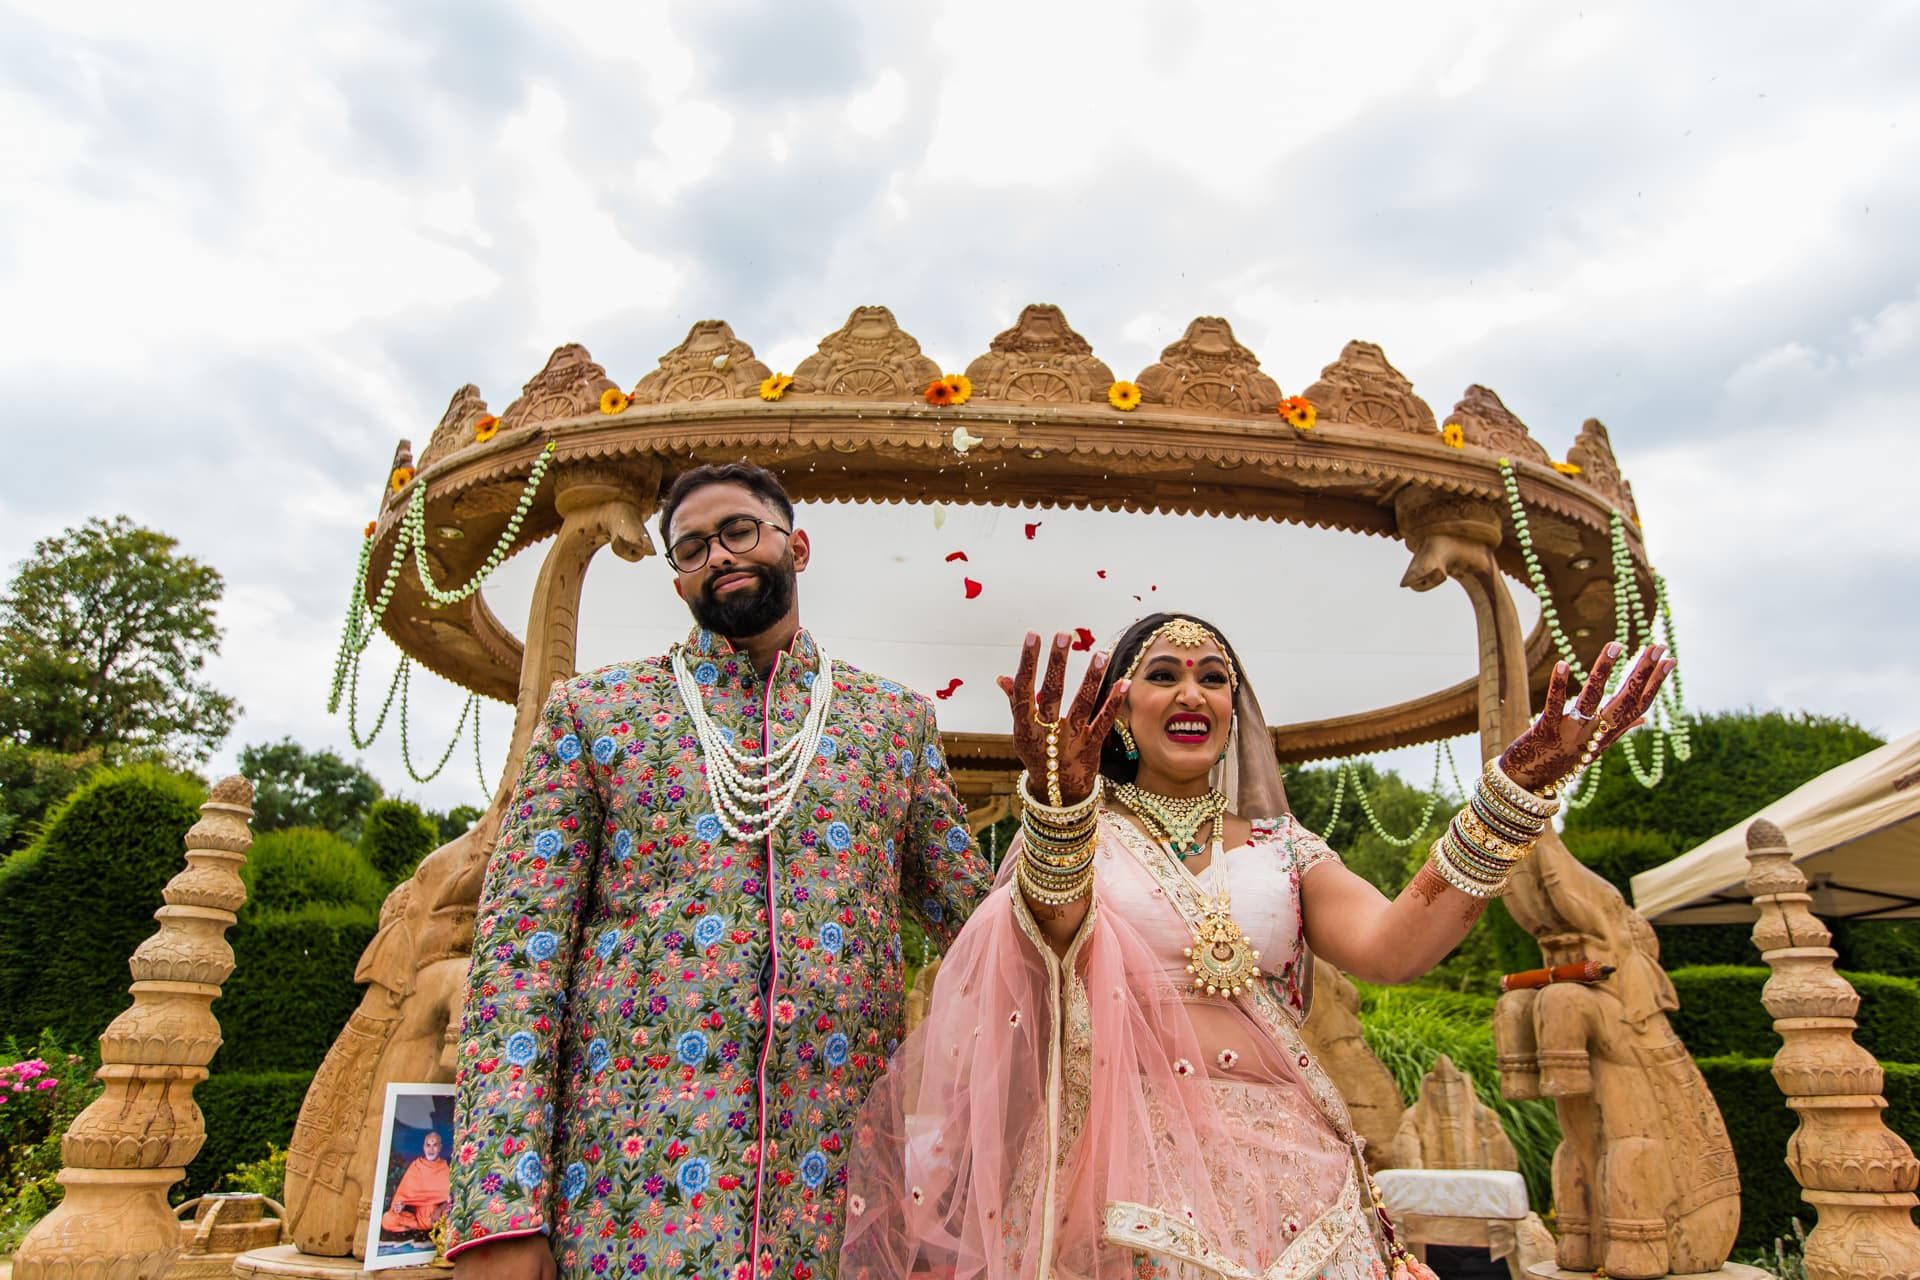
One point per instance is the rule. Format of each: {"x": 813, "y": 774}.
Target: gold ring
{"x": 1051, "y": 726}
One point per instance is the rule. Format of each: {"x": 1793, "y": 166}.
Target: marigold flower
{"x": 1124, "y": 396}
{"x": 961, "y": 386}
{"x": 1454, "y": 436}
{"x": 614, "y": 400}
{"x": 486, "y": 429}
{"x": 1299, "y": 412}
{"x": 370, "y": 525}
{"x": 1567, "y": 468}
{"x": 939, "y": 392}
{"x": 398, "y": 480}
{"x": 775, "y": 387}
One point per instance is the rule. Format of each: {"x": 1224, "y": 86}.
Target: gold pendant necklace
{"x": 1222, "y": 959}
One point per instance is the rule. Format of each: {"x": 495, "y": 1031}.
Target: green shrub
{"x": 32, "y": 781}
{"x": 1619, "y": 854}
{"x": 1742, "y": 762}
{"x": 80, "y": 899}
{"x": 53, "y": 1086}
{"x": 1721, "y": 1014}
{"x": 292, "y": 986}
{"x": 247, "y": 1114}
{"x": 302, "y": 866}
{"x": 266, "y": 1176}
{"x": 1878, "y": 946}
{"x": 1685, "y": 946}
{"x": 395, "y": 837}
{"x": 1409, "y": 1027}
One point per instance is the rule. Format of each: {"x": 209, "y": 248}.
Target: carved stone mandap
{"x": 1645, "y": 1181}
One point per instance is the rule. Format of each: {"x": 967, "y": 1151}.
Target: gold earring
{"x": 1126, "y": 739}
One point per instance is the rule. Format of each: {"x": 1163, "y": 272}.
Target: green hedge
{"x": 1721, "y": 1014}
{"x": 1619, "y": 854}
{"x": 292, "y": 986}
{"x": 245, "y": 1113}
{"x": 287, "y": 870}
{"x": 81, "y": 897}
{"x": 1878, "y": 946}
{"x": 395, "y": 837}
{"x": 1760, "y": 1124}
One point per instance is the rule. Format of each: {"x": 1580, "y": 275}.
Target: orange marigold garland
{"x": 1299, "y": 412}
{"x": 399, "y": 479}
{"x": 614, "y": 400}
{"x": 775, "y": 387}
{"x": 1454, "y": 436}
{"x": 486, "y": 429}
{"x": 1124, "y": 396}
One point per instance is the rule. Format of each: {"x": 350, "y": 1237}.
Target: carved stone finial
{"x": 455, "y": 431}
{"x": 1363, "y": 390}
{"x": 1448, "y": 1127}
{"x": 1208, "y": 370}
{"x": 1592, "y": 452}
{"x": 1491, "y": 426}
{"x": 1041, "y": 360}
{"x": 1858, "y": 1174}
{"x": 868, "y": 358}
{"x": 569, "y": 386}
{"x": 136, "y": 1139}
{"x": 712, "y": 364}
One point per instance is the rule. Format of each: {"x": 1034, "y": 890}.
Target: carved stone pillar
{"x": 1858, "y": 1174}
{"x": 416, "y": 966}
{"x": 136, "y": 1139}
{"x": 1644, "y": 1181}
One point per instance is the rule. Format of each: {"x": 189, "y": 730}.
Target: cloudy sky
{"x": 244, "y": 249}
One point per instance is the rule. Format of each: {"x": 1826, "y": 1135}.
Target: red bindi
{"x": 1189, "y": 661}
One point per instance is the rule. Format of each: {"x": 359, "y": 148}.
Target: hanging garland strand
{"x": 1350, "y": 769}
{"x": 363, "y": 623}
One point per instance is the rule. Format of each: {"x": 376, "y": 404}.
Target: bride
{"x": 1111, "y": 1080}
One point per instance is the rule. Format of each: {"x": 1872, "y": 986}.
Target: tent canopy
{"x": 1854, "y": 832}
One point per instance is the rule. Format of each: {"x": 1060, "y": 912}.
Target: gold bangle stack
{"x": 1056, "y": 858}
{"x": 1487, "y": 839}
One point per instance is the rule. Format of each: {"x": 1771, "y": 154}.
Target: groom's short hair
{"x": 750, "y": 476}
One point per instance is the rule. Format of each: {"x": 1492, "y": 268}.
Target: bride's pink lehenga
{"x": 1174, "y": 1134}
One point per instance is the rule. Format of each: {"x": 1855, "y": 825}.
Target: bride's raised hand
{"x": 1042, "y": 734}
{"x": 1564, "y": 737}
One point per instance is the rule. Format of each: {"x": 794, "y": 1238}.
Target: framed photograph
{"x": 410, "y": 1185}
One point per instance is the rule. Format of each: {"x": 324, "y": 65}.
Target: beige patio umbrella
{"x": 1854, "y": 832}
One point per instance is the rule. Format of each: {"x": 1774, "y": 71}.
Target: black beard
{"x": 748, "y": 612}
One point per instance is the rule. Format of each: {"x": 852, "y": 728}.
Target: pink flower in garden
{"x": 48, "y": 1084}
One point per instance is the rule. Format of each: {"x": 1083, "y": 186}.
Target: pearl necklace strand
{"x": 751, "y": 805}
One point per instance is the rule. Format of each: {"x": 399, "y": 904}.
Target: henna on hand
{"x": 1551, "y": 747}
{"x": 1081, "y": 730}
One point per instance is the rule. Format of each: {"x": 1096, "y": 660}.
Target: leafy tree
{"x": 396, "y": 836}
{"x": 294, "y": 787}
{"x": 1742, "y": 762}
{"x": 455, "y": 822}
{"x": 103, "y": 632}
{"x": 32, "y": 781}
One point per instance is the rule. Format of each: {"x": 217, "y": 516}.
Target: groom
{"x": 686, "y": 963}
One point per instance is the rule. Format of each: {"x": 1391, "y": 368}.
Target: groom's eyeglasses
{"x": 738, "y": 534}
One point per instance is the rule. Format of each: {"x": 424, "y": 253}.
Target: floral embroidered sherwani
{"x": 668, "y": 1032}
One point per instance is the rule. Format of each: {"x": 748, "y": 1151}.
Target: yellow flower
{"x": 961, "y": 386}
{"x": 1454, "y": 436}
{"x": 486, "y": 429}
{"x": 1123, "y": 396}
{"x": 614, "y": 400}
{"x": 398, "y": 480}
{"x": 775, "y": 387}
{"x": 1567, "y": 468}
{"x": 1299, "y": 412}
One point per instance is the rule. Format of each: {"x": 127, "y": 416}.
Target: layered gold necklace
{"x": 1174, "y": 821}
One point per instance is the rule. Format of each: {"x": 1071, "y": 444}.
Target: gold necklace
{"x": 1175, "y": 821}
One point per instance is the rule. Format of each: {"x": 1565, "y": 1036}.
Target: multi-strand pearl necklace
{"x": 752, "y": 793}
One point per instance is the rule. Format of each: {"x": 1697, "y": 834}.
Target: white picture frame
{"x": 398, "y": 1231}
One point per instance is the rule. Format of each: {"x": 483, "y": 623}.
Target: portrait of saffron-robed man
{"x": 687, "y": 968}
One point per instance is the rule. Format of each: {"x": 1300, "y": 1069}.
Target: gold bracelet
{"x": 1534, "y": 806}
{"x": 1471, "y": 831}
{"x": 1471, "y": 888}
{"x": 1054, "y": 814}
{"x": 1052, "y": 897}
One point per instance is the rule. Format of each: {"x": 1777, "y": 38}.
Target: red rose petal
{"x": 1033, "y": 529}
{"x": 1083, "y": 639}
{"x": 944, "y": 694}
{"x": 958, "y": 555}
{"x": 973, "y": 588}
{"x": 1100, "y": 573}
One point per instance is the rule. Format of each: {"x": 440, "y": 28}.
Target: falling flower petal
{"x": 1100, "y": 573}
{"x": 973, "y": 588}
{"x": 963, "y": 439}
{"x": 1083, "y": 639}
{"x": 1033, "y": 529}
{"x": 939, "y": 515}
{"x": 957, "y": 555}
{"x": 944, "y": 694}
